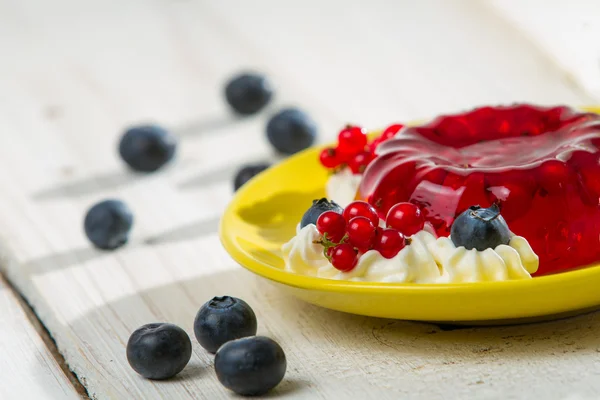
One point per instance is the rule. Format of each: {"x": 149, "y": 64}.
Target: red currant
{"x": 361, "y": 233}
{"x": 406, "y": 218}
{"x": 359, "y": 162}
{"x": 332, "y": 225}
{"x": 329, "y": 158}
{"x": 389, "y": 242}
{"x": 390, "y": 132}
{"x": 344, "y": 158}
{"x": 344, "y": 257}
{"x": 370, "y": 147}
{"x": 361, "y": 209}
{"x": 387, "y": 134}
{"x": 352, "y": 140}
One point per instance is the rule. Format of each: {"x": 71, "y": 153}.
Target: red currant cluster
{"x": 348, "y": 235}
{"x": 353, "y": 149}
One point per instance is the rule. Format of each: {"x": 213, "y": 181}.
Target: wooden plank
{"x": 81, "y": 72}
{"x": 568, "y": 32}
{"x": 29, "y": 368}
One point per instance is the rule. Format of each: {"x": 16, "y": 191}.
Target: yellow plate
{"x": 264, "y": 213}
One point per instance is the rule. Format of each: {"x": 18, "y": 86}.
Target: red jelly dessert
{"x": 540, "y": 165}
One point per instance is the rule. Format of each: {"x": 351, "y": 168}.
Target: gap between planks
{"x": 49, "y": 342}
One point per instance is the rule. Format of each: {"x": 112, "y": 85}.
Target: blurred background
{"x": 87, "y": 70}
{"x": 112, "y": 62}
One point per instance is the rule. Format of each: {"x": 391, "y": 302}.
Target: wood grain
{"x": 567, "y": 31}
{"x": 82, "y": 71}
{"x": 29, "y": 369}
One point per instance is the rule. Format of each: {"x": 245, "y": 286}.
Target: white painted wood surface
{"x": 567, "y": 31}
{"x": 29, "y": 370}
{"x": 79, "y": 72}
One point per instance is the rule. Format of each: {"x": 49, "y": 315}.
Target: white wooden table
{"x": 74, "y": 74}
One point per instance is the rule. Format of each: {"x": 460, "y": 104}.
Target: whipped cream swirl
{"x": 426, "y": 259}
{"x": 342, "y": 187}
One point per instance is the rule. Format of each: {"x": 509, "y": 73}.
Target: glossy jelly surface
{"x": 541, "y": 165}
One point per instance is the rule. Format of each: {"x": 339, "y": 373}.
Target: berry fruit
{"x": 361, "y": 233}
{"x": 480, "y": 228}
{"x": 352, "y": 140}
{"x": 332, "y": 225}
{"x": 329, "y": 158}
{"x": 389, "y": 242}
{"x": 159, "y": 350}
{"x": 248, "y": 93}
{"x": 223, "y": 319}
{"x": 108, "y": 223}
{"x": 344, "y": 257}
{"x": 250, "y": 366}
{"x": 359, "y": 162}
{"x": 405, "y": 218}
{"x": 248, "y": 172}
{"x": 541, "y": 165}
{"x": 147, "y": 148}
{"x": 291, "y": 130}
{"x": 361, "y": 209}
{"x": 391, "y": 131}
{"x": 319, "y": 207}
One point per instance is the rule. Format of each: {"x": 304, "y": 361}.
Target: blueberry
{"x": 159, "y": 350}
{"x": 250, "y": 366}
{"x": 248, "y": 93}
{"x": 291, "y": 130}
{"x": 319, "y": 207}
{"x": 248, "y": 172}
{"x": 480, "y": 228}
{"x": 223, "y": 319}
{"x": 107, "y": 224}
{"x": 147, "y": 148}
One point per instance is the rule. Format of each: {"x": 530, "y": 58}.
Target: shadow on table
{"x": 207, "y": 126}
{"x": 177, "y": 303}
{"x": 211, "y": 177}
{"x": 299, "y": 326}
{"x": 194, "y": 230}
{"x": 115, "y": 179}
{"x": 91, "y": 185}
{"x": 66, "y": 259}
{"x": 69, "y": 258}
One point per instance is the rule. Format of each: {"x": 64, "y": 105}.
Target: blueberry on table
{"x": 480, "y": 228}
{"x": 147, "y": 148}
{"x": 248, "y": 172}
{"x": 250, "y": 366}
{"x": 248, "y": 93}
{"x": 159, "y": 350}
{"x": 319, "y": 207}
{"x": 291, "y": 130}
{"x": 108, "y": 223}
{"x": 223, "y": 319}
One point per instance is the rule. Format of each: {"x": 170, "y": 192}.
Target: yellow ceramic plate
{"x": 264, "y": 213}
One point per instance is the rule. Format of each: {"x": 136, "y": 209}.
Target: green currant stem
{"x": 327, "y": 244}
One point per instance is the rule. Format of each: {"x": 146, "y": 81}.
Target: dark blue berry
{"x": 248, "y": 93}
{"x": 159, "y": 351}
{"x": 223, "y": 319}
{"x": 147, "y": 148}
{"x": 248, "y": 172}
{"x": 107, "y": 224}
{"x": 250, "y": 366}
{"x": 291, "y": 131}
{"x": 480, "y": 228}
{"x": 319, "y": 207}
